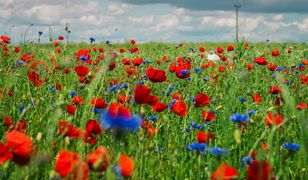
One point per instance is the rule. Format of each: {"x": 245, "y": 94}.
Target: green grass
{"x": 171, "y": 160}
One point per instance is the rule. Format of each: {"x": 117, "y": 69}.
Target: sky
{"x": 156, "y": 20}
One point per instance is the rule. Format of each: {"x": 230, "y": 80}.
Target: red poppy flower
{"x": 259, "y": 170}
{"x": 272, "y": 66}
{"x": 273, "y": 119}
{"x": 142, "y": 95}
{"x": 5, "y": 39}
{"x": 159, "y": 107}
{"x": 222, "y": 69}
{"x": 180, "y": 108}
{"x": 201, "y": 49}
{"x": 60, "y": 38}
{"x": 204, "y": 137}
{"x": 66, "y": 129}
{"x": 58, "y": 86}
{"x": 134, "y": 50}
{"x": 220, "y": 50}
{"x": 5, "y": 154}
{"x": 78, "y": 100}
{"x": 249, "y": 66}
{"x": 69, "y": 165}
{"x": 111, "y": 65}
{"x": 275, "y": 52}
{"x": 301, "y": 106}
{"x": 56, "y": 43}
{"x": 137, "y": 61}
{"x": 165, "y": 58}
{"x": 20, "y": 145}
{"x": 98, "y": 103}
{"x": 224, "y": 172}
{"x": 93, "y": 127}
{"x": 117, "y": 110}
{"x": 202, "y": 100}
{"x": 133, "y": 42}
{"x": 84, "y": 53}
{"x": 274, "y": 90}
{"x": 125, "y": 61}
{"x": 176, "y": 96}
{"x": 98, "y": 160}
{"x": 151, "y": 130}
{"x": 16, "y": 50}
{"x": 230, "y": 48}
{"x": 71, "y": 109}
{"x": 179, "y": 72}
{"x": 81, "y": 70}
{"x": 172, "y": 67}
{"x": 257, "y": 98}
{"x": 260, "y": 60}
{"x": 122, "y": 50}
{"x": 35, "y": 79}
{"x": 304, "y": 79}
{"x": 156, "y": 75}
{"x": 127, "y": 165}
{"x": 208, "y": 116}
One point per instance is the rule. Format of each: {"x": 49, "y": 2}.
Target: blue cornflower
{"x": 279, "y": 69}
{"x": 33, "y": 104}
{"x": 119, "y": 120}
{"x": 172, "y": 103}
{"x": 246, "y": 160}
{"x": 171, "y": 88}
{"x": 188, "y": 78}
{"x": 301, "y": 65}
{"x": 184, "y": 72}
{"x": 216, "y": 151}
{"x": 20, "y": 62}
{"x": 21, "y": 108}
{"x": 273, "y": 76}
{"x": 97, "y": 111}
{"x": 108, "y": 42}
{"x": 124, "y": 85}
{"x": 113, "y": 88}
{"x": 92, "y": 39}
{"x": 243, "y": 99}
{"x": 153, "y": 118}
{"x": 239, "y": 118}
{"x": 72, "y": 93}
{"x": 192, "y": 98}
{"x": 141, "y": 82}
{"x": 52, "y": 89}
{"x": 83, "y": 58}
{"x": 291, "y": 146}
{"x": 40, "y": 33}
{"x": 197, "y": 146}
{"x": 192, "y": 49}
{"x": 197, "y": 126}
{"x": 251, "y": 112}
{"x": 206, "y": 79}
{"x": 197, "y": 70}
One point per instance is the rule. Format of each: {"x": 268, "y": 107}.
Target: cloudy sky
{"x": 157, "y": 20}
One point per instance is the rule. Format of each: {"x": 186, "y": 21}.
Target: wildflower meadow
{"x": 105, "y": 110}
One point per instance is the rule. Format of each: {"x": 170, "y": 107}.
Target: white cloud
{"x": 278, "y": 17}
{"x": 117, "y": 9}
{"x": 303, "y": 26}
{"x": 146, "y": 20}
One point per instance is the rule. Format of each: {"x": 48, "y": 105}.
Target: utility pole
{"x": 237, "y": 6}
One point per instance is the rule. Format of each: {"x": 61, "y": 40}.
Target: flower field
{"x": 153, "y": 110}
